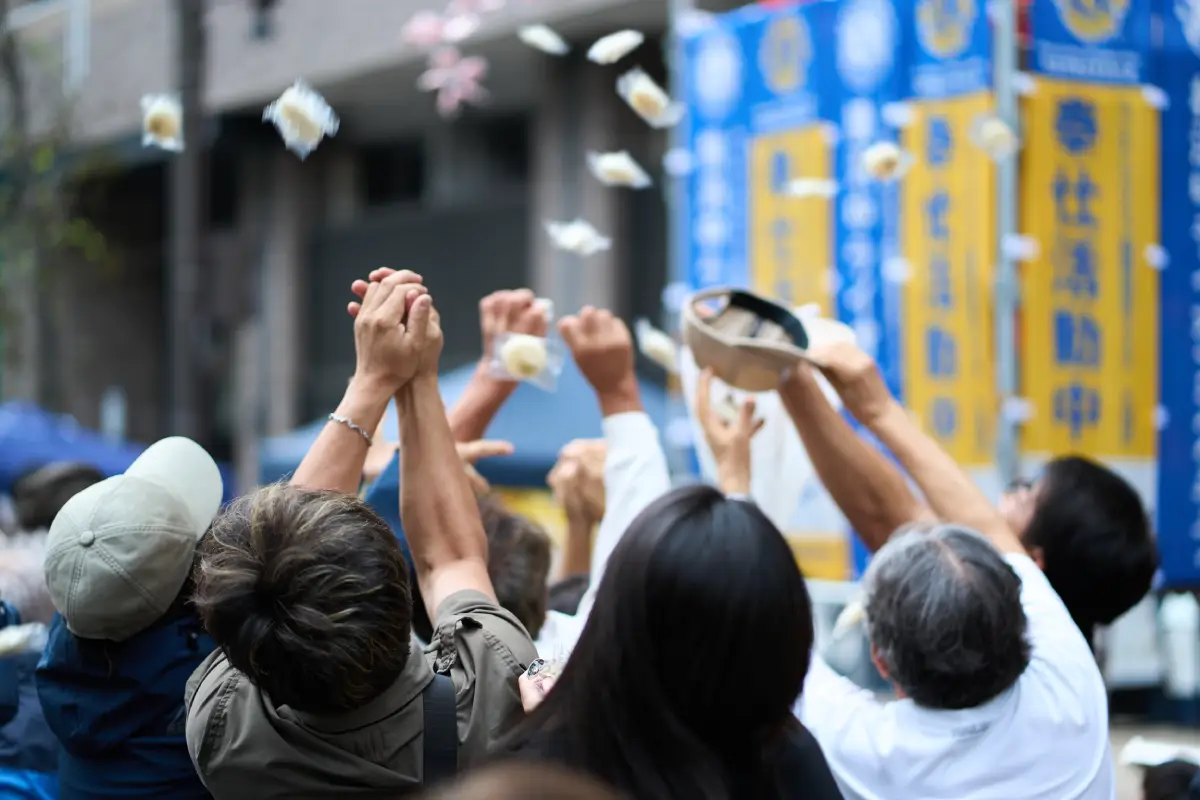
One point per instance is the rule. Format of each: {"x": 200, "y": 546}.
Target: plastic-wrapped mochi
{"x": 612, "y": 48}
{"x": 618, "y": 169}
{"x": 302, "y": 117}
{"x": 162, "y": 122}
{"x": 649, "y": 100}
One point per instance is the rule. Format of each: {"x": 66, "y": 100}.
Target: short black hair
{"x": 40, "y": 494}
{"x": 519, "y": 556}
{"x": 1169, "y": 781}
{"x": 307, "y": 594}
{"x": 1098, "y": 551}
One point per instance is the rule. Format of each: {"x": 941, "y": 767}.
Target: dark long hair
{"x": 683, "y": 680}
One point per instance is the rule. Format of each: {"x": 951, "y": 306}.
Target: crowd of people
{"x": 315, "y": 639}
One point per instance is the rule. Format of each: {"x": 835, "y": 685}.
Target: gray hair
{"x": 945, "y": 618}
{"x": 22, "y": 580}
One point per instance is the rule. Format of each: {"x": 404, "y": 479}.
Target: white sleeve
{"x": 826, "y": 704}
{"x": 635, "y": 475}
{"x": 1052, "y": 632}
{"x": 1060, "y": 658}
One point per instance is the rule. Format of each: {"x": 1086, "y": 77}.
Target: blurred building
{"x": 462, "y": 201}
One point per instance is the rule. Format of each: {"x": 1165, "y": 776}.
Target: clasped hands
{"x": 397, "y": 331}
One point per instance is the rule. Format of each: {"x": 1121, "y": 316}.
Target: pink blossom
{"x": 460, "y": 27}
{"x": 455, "y": 79}
{"x": 425, "y": 29}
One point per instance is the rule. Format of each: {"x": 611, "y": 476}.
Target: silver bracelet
{"x": 349, "y": 423}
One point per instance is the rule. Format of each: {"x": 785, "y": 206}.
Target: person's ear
{"x": 877, "y": 660}
{"x": 1039, "y": 557}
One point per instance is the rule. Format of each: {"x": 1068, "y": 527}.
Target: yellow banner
{"x": 1090, "y": 199}
{"x": 791, "y": 237}
{"x": 948, "y": 240}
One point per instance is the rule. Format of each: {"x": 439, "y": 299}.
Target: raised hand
{"x": 603, "y": 350}
{"x": 359, "y": 287}
{"x": 577, "y": 480}
{"x": 472, "y": 452}
{"x": 392, "y": 331}
{"x": 855, "y": 377}
{"x": 729, "y": 440}
{"x": 510, "y": 311}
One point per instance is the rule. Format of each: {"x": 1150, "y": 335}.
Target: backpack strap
{"x": 441, "y": 730}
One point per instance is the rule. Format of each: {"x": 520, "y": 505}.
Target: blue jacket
{"x": 117, "y": 709}
{"x": 28, "y": 750}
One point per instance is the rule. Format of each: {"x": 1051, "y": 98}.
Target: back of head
{"x": 307, "y": 593}
{"x": 945, "y": 617}
{"x": 692, "y": 657}
{"x": 1169, "y": 781}
{"x": 1094, "y": 538}
{"x": 39, "y": 495}
{"x": 518, "y": 563}
{"x": 523, "y": 781}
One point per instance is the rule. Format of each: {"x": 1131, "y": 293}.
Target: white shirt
{"x": 635, "y": 475}
{"x": 1046, "y": 738}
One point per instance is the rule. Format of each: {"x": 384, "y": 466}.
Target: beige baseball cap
{"x": 120, "y": 551}
{"x": 746, "y": 340}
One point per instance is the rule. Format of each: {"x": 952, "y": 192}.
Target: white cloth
{"x": 781, "y": 475}
{"x": 635, "y": 475}
{"x": 1046, "y": 738}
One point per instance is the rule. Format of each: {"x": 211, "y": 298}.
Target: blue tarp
{"x": 31, "y": 437}
{"x": 538, "y": 423}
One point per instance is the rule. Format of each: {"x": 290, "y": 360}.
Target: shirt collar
{"x": 413, "y": 679}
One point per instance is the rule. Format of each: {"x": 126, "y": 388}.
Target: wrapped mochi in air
{"x": 302, "y": 117}
{"x": 162, "y": 122}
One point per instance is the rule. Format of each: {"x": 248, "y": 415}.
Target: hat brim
{"x": 187, "y": 471}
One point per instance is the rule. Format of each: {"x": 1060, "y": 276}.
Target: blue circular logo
{"x": 944, "y": 27}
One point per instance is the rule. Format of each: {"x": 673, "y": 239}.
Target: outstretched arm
{"x": 336, "y": 459}
{"x": 951, "y": 493}
{"x": 866, "y": 486}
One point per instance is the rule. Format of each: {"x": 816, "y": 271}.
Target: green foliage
{"x": 40, "y": 175}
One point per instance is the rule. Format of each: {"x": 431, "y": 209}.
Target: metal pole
{"x": 678, "y": 456}
{"x": 187, "y": 221}
{"x": 676, "y": 10}
{"x": 1007, "y": 290}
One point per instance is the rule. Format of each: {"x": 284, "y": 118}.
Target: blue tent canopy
{"x": 31, "y": 437}
{"x": 538, "y": 423}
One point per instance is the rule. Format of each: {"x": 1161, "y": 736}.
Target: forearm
{"x": 335, "y": 461}
{"x": 439, "y": 510}
{"x": 866, "y": 486}
{"x": 951, "y": 493}
{"x": 577, "y": 555}
{"x": 478, "y": 406}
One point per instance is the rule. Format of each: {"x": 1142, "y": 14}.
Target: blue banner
{"x": 950, "y": 46}
{"x": 1102, "y": 41}
{"x": 865, "y": 81}
{"x": 1178, "y": 506}
{"x": 713, "y": 236}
